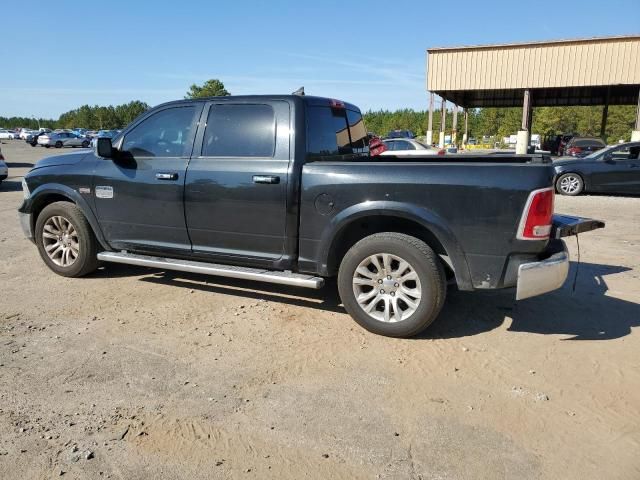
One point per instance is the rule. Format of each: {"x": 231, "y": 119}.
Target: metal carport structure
{"x": 593, "y": 71}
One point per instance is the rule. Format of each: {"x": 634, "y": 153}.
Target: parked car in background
{"x": 562, "y": 143}
{"x": 409, "y": 147}
{"x": 4, "y": 170}
{"x": 32, "y": 138}
{"x": 583, "y": 146}
{"x": 615, "y": 169}
{"x": 7, "y": 134}
{"x": 63, "y": 139}
{"x": 24, "y": 132}
{"x": 103, "y": 134}
{"x": 400, "y": 134}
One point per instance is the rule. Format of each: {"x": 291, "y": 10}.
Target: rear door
{"x": 236, "y": 183}
{"x": 139, "y": 194}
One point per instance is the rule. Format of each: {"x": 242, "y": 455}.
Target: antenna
{"x": 299, "y": 91}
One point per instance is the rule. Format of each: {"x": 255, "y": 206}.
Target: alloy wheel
{"x": 570, "y": 184}
{"x": 60, "y": 241}
{"x": 387, "y": 287}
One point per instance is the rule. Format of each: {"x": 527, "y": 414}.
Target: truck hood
{"x": 66, "y": 159}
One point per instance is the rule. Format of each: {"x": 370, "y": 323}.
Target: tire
{"x": 85, "y": 144}
{"x": 52, "y": 221}
{"x": 388, "y": 316}
{"x": 58, "y": 144}
{"x": 570, "y": 184}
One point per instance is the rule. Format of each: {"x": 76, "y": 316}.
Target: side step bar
{"x": 257, "y": 274}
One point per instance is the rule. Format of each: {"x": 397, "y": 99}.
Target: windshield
{"x": 603, "y": 151}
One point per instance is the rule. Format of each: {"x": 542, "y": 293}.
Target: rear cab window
{"x": 335, "y": 133}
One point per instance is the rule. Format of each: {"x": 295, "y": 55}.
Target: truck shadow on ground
{"x": 584, "y": 314}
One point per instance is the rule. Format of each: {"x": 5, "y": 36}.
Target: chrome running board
{"x": 257, "y": 274}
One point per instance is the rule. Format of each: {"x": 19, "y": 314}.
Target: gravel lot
{"x": 139, "y": 373}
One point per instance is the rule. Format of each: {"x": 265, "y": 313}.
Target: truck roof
{"x": 306, "y": 99}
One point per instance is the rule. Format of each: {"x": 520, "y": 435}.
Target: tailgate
{"x": 567, "y": 225}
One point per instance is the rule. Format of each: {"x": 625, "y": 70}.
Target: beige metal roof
{"x": 580, "y": 63}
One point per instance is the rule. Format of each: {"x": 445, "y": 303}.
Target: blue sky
{"x": 369, "y": 53}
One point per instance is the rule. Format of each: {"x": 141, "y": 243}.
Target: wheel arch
{"x": 48, "y": 194}
{"x": 360, "y": 221}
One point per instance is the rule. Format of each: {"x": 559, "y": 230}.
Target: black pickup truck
{"x": 282, "y": 189}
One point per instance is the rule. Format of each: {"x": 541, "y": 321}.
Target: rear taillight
{"x": 535, "y": 223}
{"x": 442, "y": 151}
{"x": 336, "y": 103}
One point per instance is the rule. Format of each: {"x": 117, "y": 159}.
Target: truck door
{"x": 139, "y": 193}
{"x": 236, "y": 182}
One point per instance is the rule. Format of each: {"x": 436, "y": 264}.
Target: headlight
{"x": 25, "y": 189}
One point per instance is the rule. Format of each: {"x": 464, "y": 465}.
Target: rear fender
{"x": 421, "y": 216}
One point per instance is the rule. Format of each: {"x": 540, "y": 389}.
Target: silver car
{"x": 7, "y": 134}
{"x": 409, "y": 147}
{"x": 63, "y": 139}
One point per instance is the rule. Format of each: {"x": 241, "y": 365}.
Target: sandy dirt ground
{"x": 138, "y": 373}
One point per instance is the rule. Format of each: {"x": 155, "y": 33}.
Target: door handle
{"x": 167, "y": 176}
{"x": 271, "y": 179}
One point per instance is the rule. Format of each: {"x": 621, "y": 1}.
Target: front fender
{"x": 43, "y": 191}
{"x": 422, "y": 216}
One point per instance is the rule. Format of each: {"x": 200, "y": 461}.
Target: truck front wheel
{"x": 392, "y": 284}
{"x": 65, "y": 240}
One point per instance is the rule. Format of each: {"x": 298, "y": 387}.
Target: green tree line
{"x": 501, "y": 122}
{"x": 107, "y": 118}
{"x": 91, "y": 117}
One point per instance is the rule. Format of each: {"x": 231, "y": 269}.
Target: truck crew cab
{"x": 282, "y": 189}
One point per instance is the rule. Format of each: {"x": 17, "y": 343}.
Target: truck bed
{"x": 472, "y": 204}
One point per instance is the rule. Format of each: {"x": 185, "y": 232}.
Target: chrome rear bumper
{"x": 536, "y": 278}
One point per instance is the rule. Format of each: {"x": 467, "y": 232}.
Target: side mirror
{"x": 104, "y": 147}
{"x": 609, "y": 159}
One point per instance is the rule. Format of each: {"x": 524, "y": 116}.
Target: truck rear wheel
{"x": 65, "y": 240}
{"x": 392, "y": 284}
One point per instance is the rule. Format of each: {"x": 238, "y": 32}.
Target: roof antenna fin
{"x": 299, "y": 91}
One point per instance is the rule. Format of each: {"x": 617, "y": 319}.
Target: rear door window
{"x": 238, "y": 130}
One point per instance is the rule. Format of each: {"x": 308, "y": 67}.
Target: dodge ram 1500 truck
{"x": 282, "y": 189}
